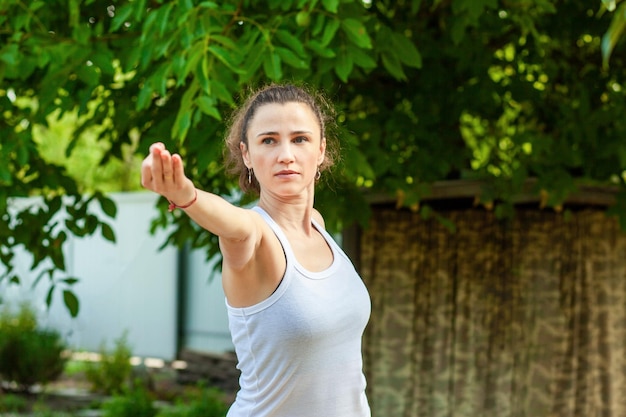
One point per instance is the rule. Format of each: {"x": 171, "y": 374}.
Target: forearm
{"x": 220, "y": 217}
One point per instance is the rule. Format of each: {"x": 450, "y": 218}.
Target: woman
{"x": 296, "y": 306}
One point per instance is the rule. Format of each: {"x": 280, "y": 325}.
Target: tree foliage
{"x": 498, "y": 91}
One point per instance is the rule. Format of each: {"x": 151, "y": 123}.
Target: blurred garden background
{"x": 481, "y": 194}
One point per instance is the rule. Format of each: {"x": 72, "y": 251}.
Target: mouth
{"x": 286, "y": 173}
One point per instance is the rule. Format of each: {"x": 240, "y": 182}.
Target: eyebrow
{"x": 272, "y": 133}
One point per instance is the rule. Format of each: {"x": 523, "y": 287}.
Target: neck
{"x": 293, "y": 215}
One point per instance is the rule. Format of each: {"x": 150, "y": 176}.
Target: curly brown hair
{"x": 280, "y": 94}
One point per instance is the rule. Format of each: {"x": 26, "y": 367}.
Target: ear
{"x": 245, "y": 154}
{"x": 320, "y": 159}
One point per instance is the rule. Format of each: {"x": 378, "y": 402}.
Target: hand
{"x": 163, "y": 173}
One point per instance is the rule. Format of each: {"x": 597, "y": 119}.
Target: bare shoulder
{"x": 317, "y": 216}
{"x": 237, "y": 253}
{"x": 252, "y": 270}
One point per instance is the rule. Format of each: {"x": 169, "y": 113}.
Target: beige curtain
{"x": 525, "y": 318}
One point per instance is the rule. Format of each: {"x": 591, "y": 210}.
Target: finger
{"x": 157, "y": 145}
{"x": 146, "y": 172}
{"x": 157, "y": 165}
{"x": 178, "y": 169}
{"x": 167, "y": 168}
{"x": 147, "y": 166}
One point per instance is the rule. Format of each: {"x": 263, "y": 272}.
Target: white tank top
{"x": 299, "y": 351}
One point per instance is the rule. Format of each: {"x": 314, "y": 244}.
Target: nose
{"x": 285, "y": 154}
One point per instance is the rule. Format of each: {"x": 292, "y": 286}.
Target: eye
{"x": 267, "y": 140}
{"x": 300, "y": 139}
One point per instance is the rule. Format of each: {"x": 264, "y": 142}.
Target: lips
{"x": 286, "y": 173}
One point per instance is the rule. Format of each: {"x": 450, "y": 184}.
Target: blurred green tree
{"x": 496, "y": 91}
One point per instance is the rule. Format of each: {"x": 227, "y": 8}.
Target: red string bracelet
{"x": 173, "y": 206}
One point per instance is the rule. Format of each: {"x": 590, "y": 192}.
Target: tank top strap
{"x": 289, "y": 255}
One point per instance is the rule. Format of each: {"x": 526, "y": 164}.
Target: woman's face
{"x": 284, "y": 148}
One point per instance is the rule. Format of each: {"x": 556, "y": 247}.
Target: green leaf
{"x": 185, "y": 5}
{"x": 360, "y": 57}
{"x": 107, "y": 232}
{"x": 159, "y": 79}
{"x": 458, "y": 28}
{"x": 36, "y": 5}
{"x": 145, "y": 97}
{"x": 91, "y": 224}
{"x": 289, "y": 58}
{"x": 272, "y": 67}
{"x": 108, "y": 206}
{"x": 22, "y": 153}
{"x": 71, "y": 302}
{"x": 121, "y": 16}
{"x": 148, "y": 23}
{"x": 202, "y": 74}
{"x": 209, "y": 5}
{"x": 254, "y": 60}
{"x": 49, "y": 295}
{"x": 182, "y": 125}
{"x": 357, "y": 33}
{"x": 392, "y": 64}
{"x": 161, "y": 47}
{"x": 21, "y": 21}
{"x": 344, "y": 66}
{"x": 291, "y": 41}
{"x": 70, "y": 280}
{"x": 329, "y": 31}
{"x": 183, "y": 118}
{"x": 10, "y": 54}
{"x": 609, "y": 4}
{"x": 226, "y": 58}
{"x": 146, "y": 52}
{"x": 220, "y": 91}
{"x": 318, "y": 25}
{"x": 178, "y": 69}
{"x": 54, "y": 204}
{"x": 103, "y": 58}
{"x": 320, "y": 49}
{"x": 56, "y": 255}
{"x": 357, "y": 164}
{"x": 81, "y": 34}
{"x": 207, "y": 106}
{"x": 5, "y": 175}
{"x": 472, "y": 9}
{"x": 88, "y": 74}
{"x": 613, "y": 34}
{"x": 194, "y": 55}
{"x": 406, "y": 51}
{"x": 227, "y": 42}
{"x": 74, "y": 12}
{"x": 331, "y": 5}
{"x": 164, "y": 17}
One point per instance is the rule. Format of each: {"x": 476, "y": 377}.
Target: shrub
{"x": 112, "y": 373}
{"x": 135, "y": 402}
{"x": 11, "y": 403}
{"x": 203, "y": 402}
{"x": 28, "y": 355}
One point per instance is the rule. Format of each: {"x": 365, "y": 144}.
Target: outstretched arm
{"x": 250, "y": 263}
{"x": 164, "y": 174}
